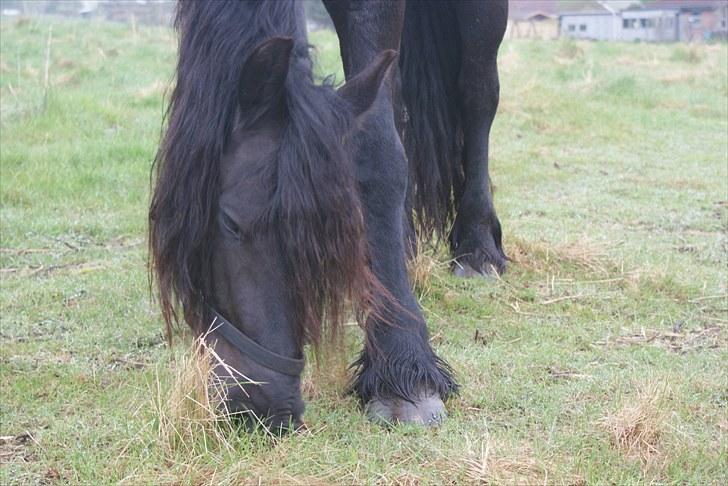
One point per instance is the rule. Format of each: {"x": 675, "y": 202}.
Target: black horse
{"x": 279, "y": 202}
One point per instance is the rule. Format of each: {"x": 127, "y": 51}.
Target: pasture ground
{"x": 598, "y": 358}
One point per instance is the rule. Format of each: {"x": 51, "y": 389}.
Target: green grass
{"x": 610, "y": 163}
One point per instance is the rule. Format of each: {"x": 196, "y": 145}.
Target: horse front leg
{"x": 398, "y": 376}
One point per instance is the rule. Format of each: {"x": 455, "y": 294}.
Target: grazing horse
{"x": 280, "y": 204}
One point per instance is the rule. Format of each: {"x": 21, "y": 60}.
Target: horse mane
{"x": 314, "y": 208}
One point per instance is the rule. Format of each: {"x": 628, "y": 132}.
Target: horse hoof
{"x": 428, "y": 410}
{"x": 463, "y": 270}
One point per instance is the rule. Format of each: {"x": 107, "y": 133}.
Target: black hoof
{"x": 478, "y": 253}
{"x": 429, "y": 410}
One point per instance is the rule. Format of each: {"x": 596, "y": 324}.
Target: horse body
{"x": 279, "y": 201}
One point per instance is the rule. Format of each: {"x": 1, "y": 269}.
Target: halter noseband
{"x": 253, "y": 350}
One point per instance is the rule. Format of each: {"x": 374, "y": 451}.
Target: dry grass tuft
{"x": 677, "y": 340}
{"x": 423, "y": 267}
{"x": 17, "y": 448}
{"x": 493, "y": 468}
{"x": 542, "y": 257}
{"x": 192, "y": 414}
{"x": 637, "y": 428}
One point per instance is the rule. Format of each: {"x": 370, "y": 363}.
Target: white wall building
{"x": 657, "y": 21}
{"x": 650, "y": 25}
{"x": 596, "y": 25}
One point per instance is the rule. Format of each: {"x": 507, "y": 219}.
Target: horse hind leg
{"x": 476, "y": 238}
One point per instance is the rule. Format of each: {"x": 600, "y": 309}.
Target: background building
{"x": 649, "y": 21}
{"x": 598, "y": 24}
{"x": 652, "y": 24}
{"x": 533, "y": 19}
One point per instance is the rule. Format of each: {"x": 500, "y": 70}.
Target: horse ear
{"x": 362, "y": 90}
{"x": 264, "y": 72}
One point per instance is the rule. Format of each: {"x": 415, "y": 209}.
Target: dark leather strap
{"x": 256, "y": 352}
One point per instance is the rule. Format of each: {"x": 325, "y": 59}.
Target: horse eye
{"x": 229, "y": 224}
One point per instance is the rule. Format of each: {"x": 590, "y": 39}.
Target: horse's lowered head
{"x": 277, "y": 246}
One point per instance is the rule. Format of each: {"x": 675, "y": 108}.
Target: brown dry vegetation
{"x": 638, "y": 426}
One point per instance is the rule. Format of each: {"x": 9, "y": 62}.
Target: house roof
{"x": 684, "y": 5}
{"x": 619, "y": 5}
{"x": 580, "y": 13}
{"x": 528, "y": 9}
{"x": 602, "y": 7}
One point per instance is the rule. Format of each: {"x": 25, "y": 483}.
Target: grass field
{"x": 599, "y": 358}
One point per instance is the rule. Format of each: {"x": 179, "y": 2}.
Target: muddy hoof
{"x": 428, "y": 410}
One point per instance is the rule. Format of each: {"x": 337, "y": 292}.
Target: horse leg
{"x": 398, "y": 376}
{"x": 476, "y": 235}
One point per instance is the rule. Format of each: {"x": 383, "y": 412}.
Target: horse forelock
{"x": 318, "y": 214}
